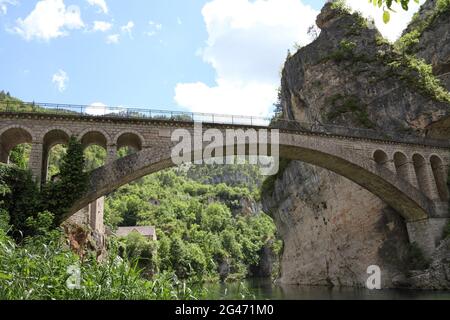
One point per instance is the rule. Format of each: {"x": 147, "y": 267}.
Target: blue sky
{"x": 220, "y": 56}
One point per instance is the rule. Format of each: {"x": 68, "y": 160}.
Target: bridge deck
{"x": 106, "y": 113}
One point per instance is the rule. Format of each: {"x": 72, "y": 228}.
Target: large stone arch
{"x": 12, "y": 136}
{"x": 412, "y": 204}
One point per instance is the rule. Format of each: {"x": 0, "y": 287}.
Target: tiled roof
{"x": 145, "y": 231}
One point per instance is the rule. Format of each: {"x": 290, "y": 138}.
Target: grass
{"x": 39, "y": 270}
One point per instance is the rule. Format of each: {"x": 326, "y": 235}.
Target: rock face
{"x": 85, "y": 230}
{"x": 436, "y": 277}
{"x": 436, "y": 51}
{"x": 333, "y": 230}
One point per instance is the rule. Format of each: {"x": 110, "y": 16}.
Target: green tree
{"x": 216, "y": 217}
{"x": 60, "y": 195}
{"x": 139, "y": 248}
{"x": 20, "y": 156}
{"x": 95, "y": 156}
{"x": 180, "y": 258}
{"x": 19, "y": 197}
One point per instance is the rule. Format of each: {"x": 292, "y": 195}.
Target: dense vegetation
{"x": 36, "y": 262}
{"x": 204, "y": 230}
{"x": 40, "y": 268}
{"x": 407, "y": 43}
{"x": 21, "y": 198}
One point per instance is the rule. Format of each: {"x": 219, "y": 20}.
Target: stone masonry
{"x": 406, "y": 175}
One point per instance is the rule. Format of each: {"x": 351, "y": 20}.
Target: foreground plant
{"x": 42, "y": 268}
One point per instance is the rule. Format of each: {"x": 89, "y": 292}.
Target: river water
{"x": 265, "y": 289}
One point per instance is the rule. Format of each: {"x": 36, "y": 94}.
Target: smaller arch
{"x": 27, "y": 129}
{"x": 98, "y": 131}
{"x": 440, "y": 177}
{"x": 53, "y": 137}
{"x": 67, "y": 131}
{"x": 94, "y": 137}
{"x": 401, "y": 165}
{"x": 380, "y": 157}
{"x": 11, "y": 137}
{"x": 421, "y": 173}
{"x": 130, "y": 139}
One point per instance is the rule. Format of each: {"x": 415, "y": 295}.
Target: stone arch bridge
{"x": 408, "y": 173}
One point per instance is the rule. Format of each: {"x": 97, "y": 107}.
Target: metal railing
{"x": 360, "y": 133}
{"x": 211, "y": 118}
{"x": 130, "y": 113}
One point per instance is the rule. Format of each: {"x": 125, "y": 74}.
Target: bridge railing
{"x": 180, "y": 116}
{"x": 357, "y": 132}
{"x": 126, "y": 112}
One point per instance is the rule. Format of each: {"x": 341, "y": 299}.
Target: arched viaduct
{"x": 409, "y": 175}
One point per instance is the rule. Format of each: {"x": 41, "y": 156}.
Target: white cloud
{"x": 97, "y": 109}
{"x": 154, "y": 28}
{"x": 4, "y": 5}
{"x": 101, "y": 4}
{"x": 128, "y": 28}
{"x": 102, "y": 26}
{"x": 60, "y": 79}
{"x": 179, "y": 21}
{"x": 49, "y": 19}
{"x": 247, "y": 45}
{"x": 113, "y": 39}
{"x": 253, "y": 98}
{"x": 399, "y": 18}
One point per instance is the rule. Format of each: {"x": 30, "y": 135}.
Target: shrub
{"x": 408, "y": 41}
{"x": 19, "y": 197}
{"x": 139, "y": 248}
{"x": 59, "y": 196}
{"x": 343, "y": 104}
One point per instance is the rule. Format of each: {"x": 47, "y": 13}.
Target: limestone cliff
{"x": 433, "y": 20}
{"x": 332, "y": 228}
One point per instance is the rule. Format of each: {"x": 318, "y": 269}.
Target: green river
{"x": 265, "y": 289}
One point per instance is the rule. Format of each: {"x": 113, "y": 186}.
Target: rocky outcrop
{"x": 436, "y": 277}
{"x": 265, "y": 266}
{"x": 432, "y": 28}
{"x": 333, "y": 230}
{"x": 82, "y": 240}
